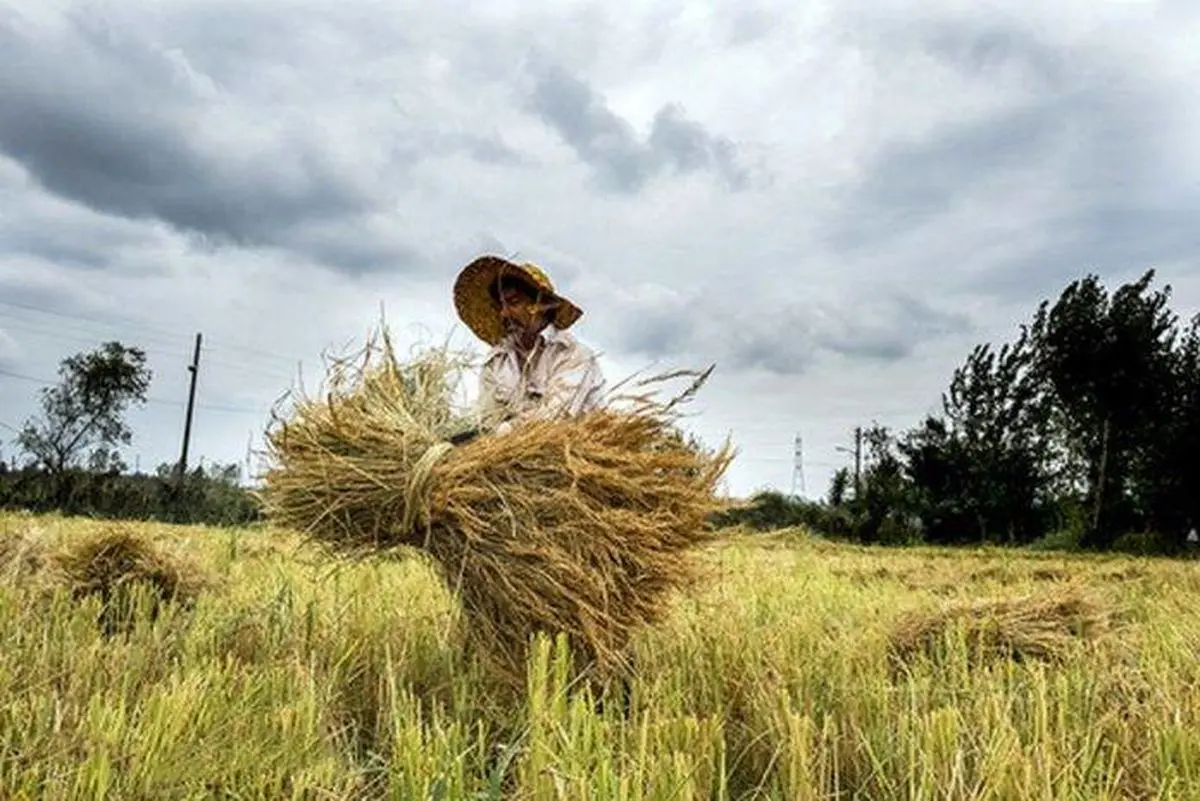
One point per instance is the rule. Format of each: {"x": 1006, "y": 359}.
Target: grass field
{"x": 298, "y": 677}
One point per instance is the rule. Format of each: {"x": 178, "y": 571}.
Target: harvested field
{"x": 301, "y": 676}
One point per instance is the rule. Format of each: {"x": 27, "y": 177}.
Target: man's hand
{"x": 464, "y": 437}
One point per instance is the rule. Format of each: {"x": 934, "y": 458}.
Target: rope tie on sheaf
{"x": 420, "y": 479}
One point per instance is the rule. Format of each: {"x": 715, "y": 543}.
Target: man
{"x": 536, "y": 369}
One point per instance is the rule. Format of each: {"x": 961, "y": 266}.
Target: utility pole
{"x": 194, "y": 369}
{"x": 858, "y": 436}
{"x": 798, "y": 466}
{"x": 249, "y": 450}
{"x": 857, "y": 462}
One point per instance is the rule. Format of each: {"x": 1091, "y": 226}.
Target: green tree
{"x": 988, "y": 469}
{"x": 82, "y": 420}
{"x": 839, "y": 487}
{"x": 1108, "y": 361}
{"x": 882, "y": 506}
{"x": 1166, "y": 478}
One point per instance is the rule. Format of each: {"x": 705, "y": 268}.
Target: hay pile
{"x": 21, "y": 556}
{"x": 583, "y": 526}
{"x": 116, "y": 565}
{"x": 1045, "y": 626}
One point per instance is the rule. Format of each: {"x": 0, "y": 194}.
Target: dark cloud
{"x": 98, "y": 116}
{"x": 653, "y": 331}
{"x": 32, "y": 223}
{"x": 685, "y": 145}
{"x": 102, "y": 120}
{"x": 602, "y": 139}
{"x": 356, "y": 249}
{"x": 1090, "y": 134}
{"x": 986, "y": 48}
{"x": 490, "y": 150}
{"x": 1109, "y": 239}
{"x": 889, "y": 328}
{"x": 609, "y": 144}
{"x": 912, "y": 183}
{"x": 781, "y": 339}
{"x": 96, "y": 251}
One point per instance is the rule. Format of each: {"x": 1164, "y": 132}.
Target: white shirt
{"x": 562, "y": 377}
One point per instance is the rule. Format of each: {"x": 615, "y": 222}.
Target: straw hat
{"x": 474, "y": 302}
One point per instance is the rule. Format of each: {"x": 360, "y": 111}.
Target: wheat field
{"x": 799, "y": 673}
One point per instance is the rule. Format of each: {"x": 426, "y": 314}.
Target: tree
{"x": 1166, "y": 478}
{"x": 985, "y": 469}
{"x": 1108, "y": 361}
{"x": 881, "y": 505}
{"x": 839, "y": 487}
{"x": 82, "y": 420}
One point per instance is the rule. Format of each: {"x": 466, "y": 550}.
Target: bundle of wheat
{"x": 1042, "y": 626}
{"x": 582, "y": 526}
{"x": 21, "y": 556}
{"x": 116, "y": 564}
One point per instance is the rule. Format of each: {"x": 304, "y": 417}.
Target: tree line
{"x": 71, "y": 461}
{"x": 1082, "y": 430}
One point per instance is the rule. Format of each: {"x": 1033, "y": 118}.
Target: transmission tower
{"x": 798, "y": 466}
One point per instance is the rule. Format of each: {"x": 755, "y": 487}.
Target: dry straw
{"x": 117, "y": 564}
{"x": 1045, "y": 626}
{"x": 582, "y": 526}
{"x": 21, "y": 556}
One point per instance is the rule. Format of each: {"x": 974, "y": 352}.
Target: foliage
{"x": 82, "y": 420}
{"x": 1167, "y": 481}
{"x": 1110, "y": 364}
{"x": 770, "y": 510}
{"x": 205, "y": 495}
{"x": 1086, "y": 424}
{"x": 985, "y": 471}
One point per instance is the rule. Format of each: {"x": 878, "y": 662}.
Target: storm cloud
{"x": 611, "y": 146}
{"x": 833, "y": 203}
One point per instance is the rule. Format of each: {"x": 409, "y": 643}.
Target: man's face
{"x": 521, "y": 311}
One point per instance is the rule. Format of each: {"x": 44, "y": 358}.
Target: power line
{"x": 91, "y": 338}
{"x": 212, "y": 407}
{"x": 159, "y": 330}
{"x": 137, "y": 324}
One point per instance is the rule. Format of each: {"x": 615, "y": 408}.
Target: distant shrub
{"x": 211, "y": 497}
{"x": 1062, "y": 540}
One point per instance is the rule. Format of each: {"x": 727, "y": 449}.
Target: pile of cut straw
{"x": 116, "y": 564}
{"x": 582, "y": 526}
{"x": 1044, "y": 626}
{"x": 113, "y": 562}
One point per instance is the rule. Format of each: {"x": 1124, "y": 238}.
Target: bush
{"x": 1145, "y": 543}
{"x": 1066, "y": 539}
{"x": 770, "y": 510}
{"x": 210, "y": 497}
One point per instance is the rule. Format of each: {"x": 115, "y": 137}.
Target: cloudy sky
{"x": 831, "y": 201}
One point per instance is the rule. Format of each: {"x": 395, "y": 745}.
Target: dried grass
{"x": 116, "y": 564}
{"x": 581, "y": 526}
{"x": 21, "y": 556}
{"x": 1045, "y": 626}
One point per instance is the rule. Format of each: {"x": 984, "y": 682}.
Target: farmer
{"x": 536, "y": 368}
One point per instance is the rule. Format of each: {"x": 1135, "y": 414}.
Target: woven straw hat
{"x": 474, "y": 302}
